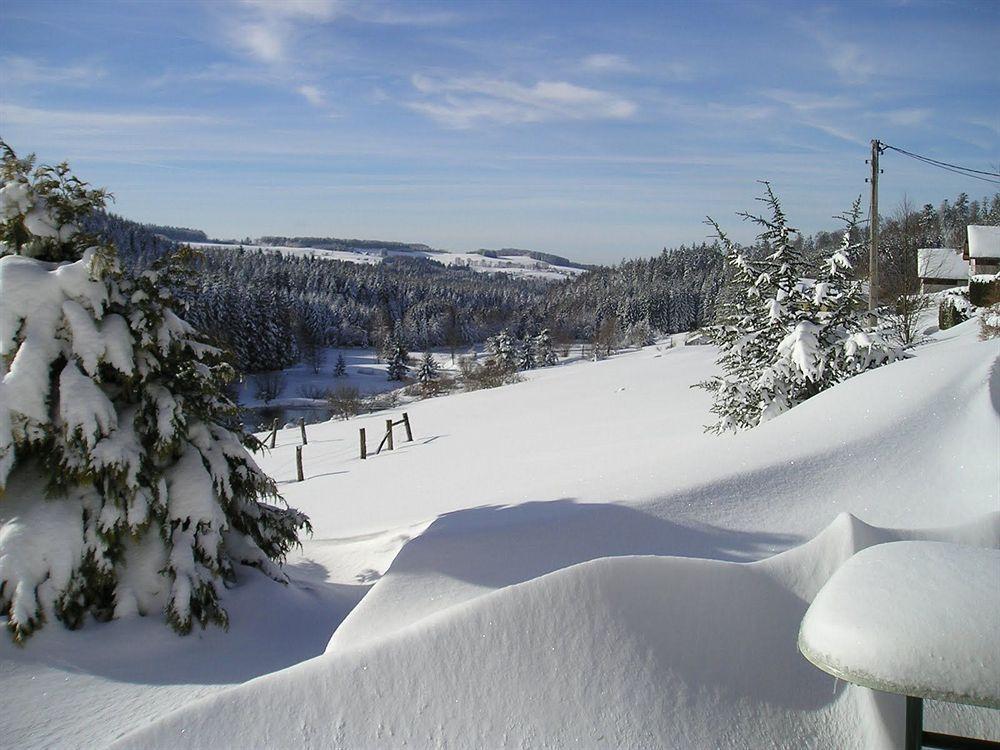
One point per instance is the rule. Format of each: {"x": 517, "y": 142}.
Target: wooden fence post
{"x": 274, "y": 432}
{"x": 406, "y": 424}
{"x": 298, "y": 462}
{"x": 364, "y": 444}
{"x": 388, "y": 432}
{"x": 302, "y": 428}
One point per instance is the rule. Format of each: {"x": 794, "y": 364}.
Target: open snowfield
{"x": 512, "y": 265}
{"x": 567, "y": 561}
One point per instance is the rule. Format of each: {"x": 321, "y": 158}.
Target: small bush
{"x": 949, "y": 315}
{"x": 314, "y": 392}
{"x": 989, "y": 322}
{"x": 381, "y": 401}
{"x": 268, "y": 385}
{"x": 345, "y": 401}
{"x": 984, "y": 292}
{"x": 489, "y": 374}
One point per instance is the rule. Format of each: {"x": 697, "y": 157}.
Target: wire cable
{"x": 964, "y": 171}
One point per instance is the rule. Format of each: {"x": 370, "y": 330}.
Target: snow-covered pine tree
{"x": 544, "y": 352}
{"x": 340, "y": 369}
{"x": 428, "y": 372}
{"x": 398, "y": 360}
{"x": 503, "y": 351}
{"x": 526, "y": 353}
{"x": 785, "y": 331}
{"x": 126, "y": 485}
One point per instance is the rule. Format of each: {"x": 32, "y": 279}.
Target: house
{"x": 984, "y": 249}
{"x": 941, "y": 268}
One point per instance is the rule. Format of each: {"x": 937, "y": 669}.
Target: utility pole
{"x": 877, "y": 148}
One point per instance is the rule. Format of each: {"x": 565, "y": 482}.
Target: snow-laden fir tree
{"x": 786, "y": 331}
{"x": 526, "y": 353}
{"x": 398, "y": 360}
{"x": 544, "y": 352}
{"x": 428, "y": 372}
{"x": 503, "y": 351}
{"x": 340, "y": 369}
{"x": 126, "y": 485}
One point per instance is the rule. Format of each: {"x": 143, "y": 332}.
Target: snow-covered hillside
{"x": 520, "y": 266}
{"x": 565, "y": 561}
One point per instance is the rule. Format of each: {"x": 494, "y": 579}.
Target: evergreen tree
{"x": 125, "y": 482}
{"x": 428, "y": 372}
{"x": 340, "y": 369}
{"x": 543, "y": 349}
{"x": 787, "y": 331}
{"x": 503, "y": 351}
{"x": 399, "y": 360}
{"x": 526, "y": 353}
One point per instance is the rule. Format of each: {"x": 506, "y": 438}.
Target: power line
{"x": 957, "y": 169}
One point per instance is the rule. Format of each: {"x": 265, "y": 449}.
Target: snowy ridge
{"x": 520, "y": 266}
{"x": 667, "y": 620}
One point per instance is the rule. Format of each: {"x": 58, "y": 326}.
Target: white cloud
{"x": 24, "y": 70}
{"x": 849, "y": 62}
{"x": 81, "y": 119}
{"x": 312, "y": 95}
{"x": 904, "y": 117}
{"x": 604, "y": 62}
{"x": 462, "y": 102}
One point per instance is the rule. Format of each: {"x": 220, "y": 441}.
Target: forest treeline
{"x": 272, "y": 310}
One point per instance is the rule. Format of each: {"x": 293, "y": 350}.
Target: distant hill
{"x": 550, "y": 258}
{"x": 177, "y": 234}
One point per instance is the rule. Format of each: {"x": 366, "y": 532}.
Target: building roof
{"x": 941, "y": 263}
{"x": 984, "y": 242}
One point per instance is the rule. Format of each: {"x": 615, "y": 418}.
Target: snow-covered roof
{"x": 941, "y": 263}
{"x": 984, "y": 242}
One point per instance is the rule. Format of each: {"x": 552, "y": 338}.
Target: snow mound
{"x": 634, "y": 651}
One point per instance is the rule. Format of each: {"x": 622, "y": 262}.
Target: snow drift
{"x": 654, "y": 623}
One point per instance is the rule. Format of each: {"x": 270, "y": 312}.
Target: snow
{"x": 513, "y": 265}
{"x": 984, "y": 242}
{"x": 566, "y": 560}
{"x": 941, "y": 263}
{"x": 916, "y": 618}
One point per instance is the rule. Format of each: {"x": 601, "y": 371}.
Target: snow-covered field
{"x": 512, "y": 265}
{"x": 567, "y": 561}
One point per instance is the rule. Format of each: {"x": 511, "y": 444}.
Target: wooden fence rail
{"x": 387, "y": 439}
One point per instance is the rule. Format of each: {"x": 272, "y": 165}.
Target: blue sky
{"x": 595, "y": 130}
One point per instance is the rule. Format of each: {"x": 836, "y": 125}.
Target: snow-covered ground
{"x": 568, "y": 560}
{"x": 512, "y": 265}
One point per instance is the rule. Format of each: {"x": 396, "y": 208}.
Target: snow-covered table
{"x": 921, "y": 619}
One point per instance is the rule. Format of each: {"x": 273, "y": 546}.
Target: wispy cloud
{"x": 19, "y": 70}
{"x": 312, "y": 95}
{"x": 609, "y": 63}
{"x": 15, "y": 114}
{"x": 908, "y": 117}
{"x": 462, "y": 102}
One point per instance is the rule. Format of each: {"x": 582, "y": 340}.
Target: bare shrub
{"x": 476, "y": 376}
{"x": 269, "y": 385}
{"x": 989, "y": 322}
{"x": 314, "y": 392}
{"x": 345, "y": 401}
{"x": 903, "y": 317}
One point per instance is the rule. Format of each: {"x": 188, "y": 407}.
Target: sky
{"x": 596, "y": 130}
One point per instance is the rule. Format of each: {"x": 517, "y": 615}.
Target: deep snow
{"x": 570, "y": 570}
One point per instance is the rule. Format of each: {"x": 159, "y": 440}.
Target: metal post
{"x": 873, "y": 231}
{"x": 914, "y": 723}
